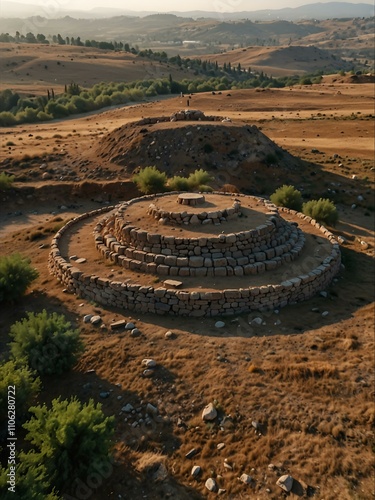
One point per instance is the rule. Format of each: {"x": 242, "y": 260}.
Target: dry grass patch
{"x": 291, "y": 372}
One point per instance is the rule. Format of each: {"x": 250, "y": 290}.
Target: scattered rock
{"x": 257, "y": 321}
{"x": 160, "y": 473}
{"x": 149, "y": 363}
{"x": 135, "y": 332}
{"x": 325, "y": 313}
{"x": 151, "y": 409}
{"x": 148, "y": 373}
{"x": 285, "y": 482}
{"x": 219, "y": 324}
{"x": 245, "y": 478}
{"x": 118, "y": 324}
{"x": 169, "y": 335}
{"x": 221, "y": 491}
{"x": 323, "y": 294}
{"x": 87, "y": 318}
{"x": 196, "y": 470}
{"x": 172, "y": 283}
{"x": 211, "y": 485}
{"x": 129, "y": 326}
{"x": 209, "y": 412}
{"x": 95, "y": 320}
{"x": 104, "y": 395}
{"x": 220, "y": 446}
{"x": 256, "y": 425}
{"x": 128, "y": 408}
{"x": 191, "y": 453}
{"x": 82, "y": 260}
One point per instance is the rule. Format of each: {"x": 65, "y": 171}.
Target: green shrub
{"x": 16, "y": 275}
{"x": 25, "y": 385}
{"x": 178, "y": 183}
{"x": 7, "y": 119}
{"x": 287, "y": 196}
{"x": 199, "y": 178}
{"x": 71, "y": 439}
{"x": 150, "y": 180}
{"x": 46, "y": 342}
{"x": 31, "y": 482}
{"x": 6, "y": 180}
{"x": 205, "y": 189}
{"x": 322, "y": 210}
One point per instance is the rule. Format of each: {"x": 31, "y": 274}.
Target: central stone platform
{"x": 256, "y": 240}
{"x": 191, "y": 199}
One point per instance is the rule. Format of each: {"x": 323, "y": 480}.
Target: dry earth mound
{"x": 180, "y": 145}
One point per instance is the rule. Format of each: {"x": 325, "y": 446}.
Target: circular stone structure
{"x": 227, "y": 254}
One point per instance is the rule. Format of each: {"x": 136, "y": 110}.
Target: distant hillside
{"x": 319, "y": 10}
{"x": 281, "y": 61}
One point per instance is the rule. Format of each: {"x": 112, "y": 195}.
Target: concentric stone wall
{"x": 254, "y": 251}
{"x": 163, "y": 300}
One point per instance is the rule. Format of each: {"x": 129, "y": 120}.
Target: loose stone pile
{"x": 196, "y": 250}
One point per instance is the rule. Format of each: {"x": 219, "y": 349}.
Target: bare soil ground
{"x": 307, "y": 379}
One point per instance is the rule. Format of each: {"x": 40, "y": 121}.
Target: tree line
{"x": 15, "y": 109}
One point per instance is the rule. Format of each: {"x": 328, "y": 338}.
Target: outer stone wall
{"x": 161, "y": 300}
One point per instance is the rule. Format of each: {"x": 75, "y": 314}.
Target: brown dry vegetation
{"x": 307, "y": 380}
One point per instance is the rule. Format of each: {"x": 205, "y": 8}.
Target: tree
{"x": 46, "y": 342}
{"x": 25, "y": 384}
{"x": 16, "y": 275}
{"x": 287, "y": 196}
{"x": 70, "y": 439}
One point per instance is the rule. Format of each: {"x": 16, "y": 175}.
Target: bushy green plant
{"x": 288, "y": 197}
{"x": 205, "y": 189}
{"x": 150, "y": 180}
{"x": 199, "y": 178}
{"x": 322, "y": 210}
{"x": 16, "y": 275}
{"x": 25, "y": 386}
{"x": 47, "y": 342}
{"x": 178, "y": 183}
{"x": 31, "y": 482}
{"x": 6, "y": 180}
{"x": 7, "y": 119}
{"x": 70, "y": 439}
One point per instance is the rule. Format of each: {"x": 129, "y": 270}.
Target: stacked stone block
{"x": 162, "y": 300}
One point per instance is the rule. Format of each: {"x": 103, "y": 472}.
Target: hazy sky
{"x": 53, "y": 6}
